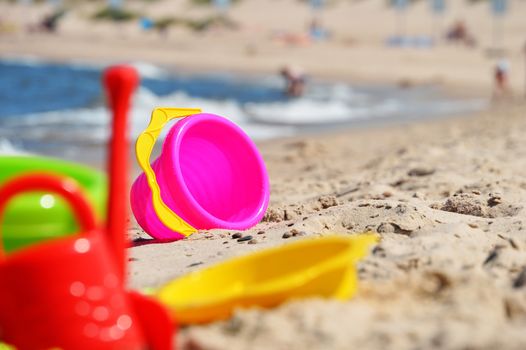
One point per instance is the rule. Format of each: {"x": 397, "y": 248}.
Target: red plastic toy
{"x": 69, "y": 293}
{"x": 120, "y": 82}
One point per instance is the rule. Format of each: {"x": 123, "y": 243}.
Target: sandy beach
{"x": 446, "y": 196}
{"x": 270, "y": 36}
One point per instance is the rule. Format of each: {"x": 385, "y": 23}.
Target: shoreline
{"x": 302, "y": 131}
{"x": 356, "y": 51}
{"x": 305, "y": 129}
{"x": 454, "y": 89}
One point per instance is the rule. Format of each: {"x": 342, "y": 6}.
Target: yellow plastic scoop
{"x": 315, "y": 267}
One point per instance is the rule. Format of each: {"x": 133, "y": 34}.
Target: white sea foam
{"x": 28, "y": 60}
{"x": 147, "y": 70}
{"x": 322, "y": 104}
{"x": 8, "y": 149}
{"x": 68, "y": 132}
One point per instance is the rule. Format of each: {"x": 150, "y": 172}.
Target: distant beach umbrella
{"x": 400, "y": 5}
{"x": 115, "y": 4}
{"x": 438, "y": 6}
{"x": 55, "y": 3}
{"x": 317, "y": 4}
{"x": 222, "y": 5}
{"x": 499, "y": 7}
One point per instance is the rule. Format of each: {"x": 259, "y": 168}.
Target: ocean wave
{"x": 27, "y": 60}
{"x": 8, "y": 149}
{"x": 147, "y": 70}
{"x": 322, "y": 105}
{"x": 93, "y": 124}
{"x": 71, "y": 108}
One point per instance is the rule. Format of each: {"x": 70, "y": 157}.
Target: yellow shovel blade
{"x": 313, "y": 267}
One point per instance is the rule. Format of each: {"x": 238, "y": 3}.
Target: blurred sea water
{"x": 58, "y": 109}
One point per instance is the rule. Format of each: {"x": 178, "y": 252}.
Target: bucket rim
{"x": 173, "y": 142}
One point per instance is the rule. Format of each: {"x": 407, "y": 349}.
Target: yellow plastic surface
{"x": 314, "y": 267}
{"x": 143, "y": 150}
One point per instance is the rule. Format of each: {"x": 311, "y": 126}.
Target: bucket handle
{"x": 143, "y": 150}
{"x": 64, "y": 186}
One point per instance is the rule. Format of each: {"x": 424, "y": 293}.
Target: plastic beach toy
{"x": 69, "y": 292}
{"x": 209, "y": 175}
{"x": 315, "y": 267}
{"x": 43, "y": 285}
{"x": 34, "y": 217}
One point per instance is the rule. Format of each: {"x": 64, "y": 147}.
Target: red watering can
{"x": 69, "y": 293}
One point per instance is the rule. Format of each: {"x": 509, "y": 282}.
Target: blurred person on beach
{"x": 49, "y": 23}
{"x": 459, "y": 33}
{"x": 501, "y": 73}
{"x": 295, "y": 81}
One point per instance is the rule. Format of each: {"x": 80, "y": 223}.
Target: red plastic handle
{"x": 120, "y": 82}
{"x": 64, "y": 186}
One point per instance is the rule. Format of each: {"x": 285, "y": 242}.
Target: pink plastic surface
{"x": 210, "y": 173}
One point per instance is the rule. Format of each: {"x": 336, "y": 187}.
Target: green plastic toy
{"x": 33, "y": 217}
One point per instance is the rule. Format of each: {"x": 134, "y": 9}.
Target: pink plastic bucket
{"x": 210, "y": 173}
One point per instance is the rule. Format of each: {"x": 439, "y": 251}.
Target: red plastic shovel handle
{"x": 64, "y": 186}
